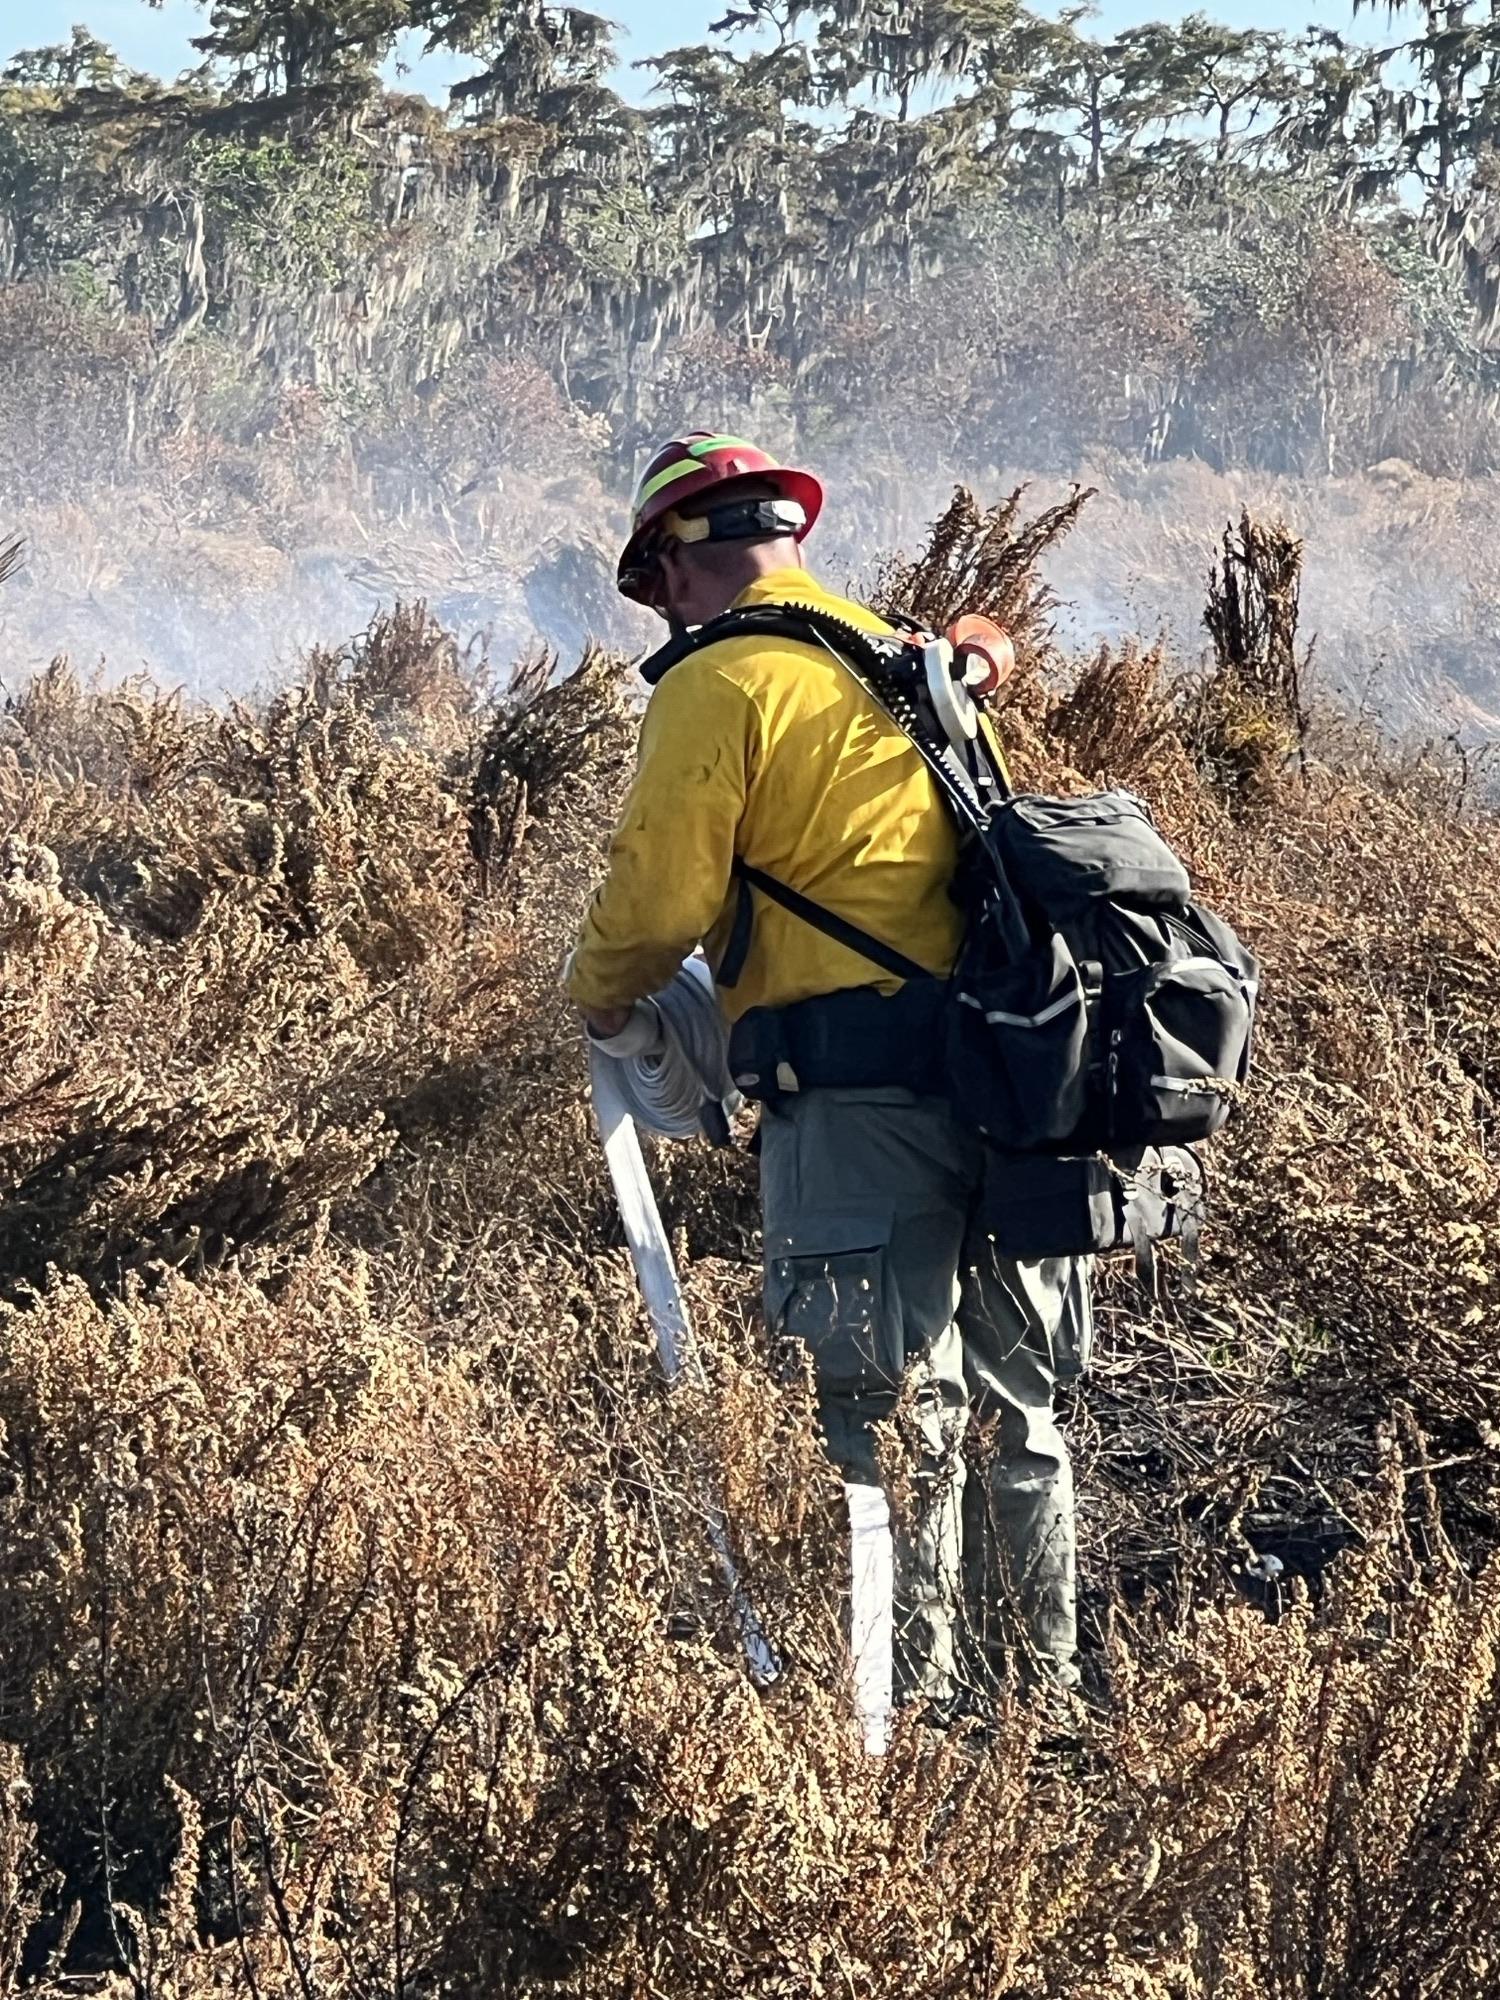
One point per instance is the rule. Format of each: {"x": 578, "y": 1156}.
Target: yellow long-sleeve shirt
{"x": 769, "y": 750}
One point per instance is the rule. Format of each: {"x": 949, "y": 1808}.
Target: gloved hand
{"x": 626, "y": 1032}
{"x": 602, "y": 1022}
{"x": 605, "y": 1022}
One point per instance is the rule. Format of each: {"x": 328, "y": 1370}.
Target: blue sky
{"x": 157, "y": 38}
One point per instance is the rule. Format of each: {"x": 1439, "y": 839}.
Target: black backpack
{"x": 1096, "y": 1015}
{"x": 1097, "y": 1007}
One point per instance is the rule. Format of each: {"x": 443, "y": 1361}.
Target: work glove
{"x": 642, "y": 1034}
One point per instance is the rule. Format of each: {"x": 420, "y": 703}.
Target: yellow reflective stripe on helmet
{"x": 705, "y": 445}
{"x": 697, "y": 452}
{"x": 653, "y": 486}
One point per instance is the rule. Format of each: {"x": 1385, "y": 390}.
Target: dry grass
{"x": 360, "y": 1635}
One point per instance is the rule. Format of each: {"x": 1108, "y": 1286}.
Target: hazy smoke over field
{"x": 222, "y": 610}
{"x": 220, "y": 590}
{"x": 1401, "y": 589}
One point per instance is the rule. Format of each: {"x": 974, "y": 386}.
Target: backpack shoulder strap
{"x": 806, "y": 623}
{"x": 870, "y": 659}
{"x": 876, "y": 661}
{"x": 886, "y": 956}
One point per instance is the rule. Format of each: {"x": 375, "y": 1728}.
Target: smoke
{"x": 220, "y": 585}
{"x": 1401, "y": 577}
{"x": 220, "y": 611}
{"x": 1401, "y": 582}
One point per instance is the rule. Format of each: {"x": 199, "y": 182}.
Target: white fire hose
{"x": 668, "y": 1070}
{"x": 666, "y": 1064}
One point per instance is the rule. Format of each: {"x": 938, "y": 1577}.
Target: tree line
{"x": 966, "y": 223}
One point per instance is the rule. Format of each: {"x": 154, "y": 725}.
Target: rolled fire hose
{"x": 668, "y": 1070}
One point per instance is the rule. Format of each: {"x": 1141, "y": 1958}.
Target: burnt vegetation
{"x": 360, "y": 1634}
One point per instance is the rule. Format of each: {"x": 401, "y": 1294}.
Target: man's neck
{"x": 763, "y": 559}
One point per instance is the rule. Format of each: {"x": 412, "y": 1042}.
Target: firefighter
{"x": 768, "y": 751}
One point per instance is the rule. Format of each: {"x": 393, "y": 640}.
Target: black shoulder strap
{"x": 806, "y": 623}
{"x": 867, "y": 657}
{"x": 666, "y": 657}
{"x": 827, "y": 921}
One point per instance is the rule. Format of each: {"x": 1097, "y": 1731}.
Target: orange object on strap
{"x": 984, "y": 652}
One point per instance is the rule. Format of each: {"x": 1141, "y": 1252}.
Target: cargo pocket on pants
{"x": 828, "y": 1286}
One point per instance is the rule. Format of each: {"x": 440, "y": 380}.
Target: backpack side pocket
{"x": 1018, "y": 1047}
{"x": 1178, "y": 1042}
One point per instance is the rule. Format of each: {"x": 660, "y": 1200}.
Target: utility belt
{"x": 860, "y": 1039}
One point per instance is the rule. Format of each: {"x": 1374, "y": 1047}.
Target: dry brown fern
{"x": 985, "y": 561}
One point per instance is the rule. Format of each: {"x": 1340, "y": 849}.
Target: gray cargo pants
{"x": 871, "y": 1261}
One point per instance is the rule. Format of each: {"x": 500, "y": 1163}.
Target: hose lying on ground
{"x": 667, "y": 1067}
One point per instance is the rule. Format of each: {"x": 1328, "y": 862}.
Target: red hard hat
{"x": 691, "y": 465}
